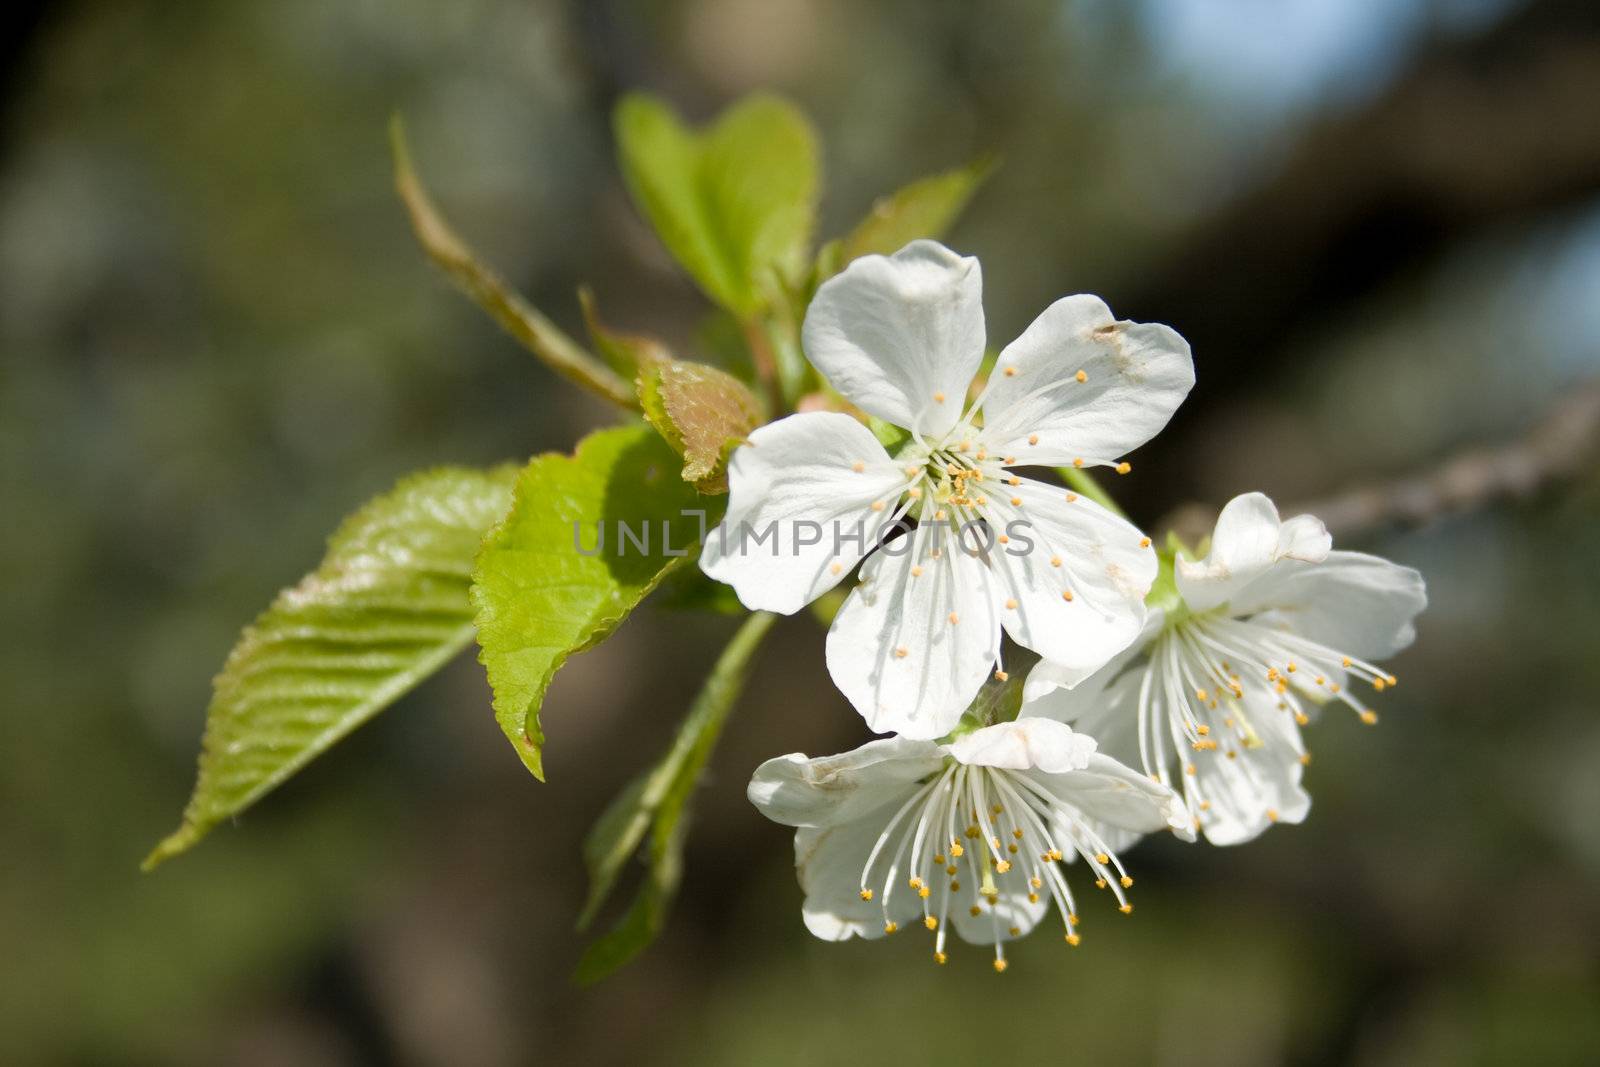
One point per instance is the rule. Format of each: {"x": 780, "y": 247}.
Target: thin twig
{"x": 1562, "y": 446}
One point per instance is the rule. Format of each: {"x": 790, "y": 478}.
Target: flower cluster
{"x": 1172, "y": 668}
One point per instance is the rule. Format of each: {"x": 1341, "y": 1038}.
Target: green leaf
{"x": 734, "y": 203}
{"x": 658, "y": 803}
{"x": 485, "y": 288}
{"x": 925, "y": 208}
{"x": 545, "y": 586}
{"x": 702, "y": 412}
{"x": 386, "y": 608}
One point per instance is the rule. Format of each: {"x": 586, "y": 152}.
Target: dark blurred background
{"x": 1378, "y": 221}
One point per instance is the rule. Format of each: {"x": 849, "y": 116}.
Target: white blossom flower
{"x": 901, "y": 337}
{"x": 1252, "y": 640}
{"x": 970, "y": 834}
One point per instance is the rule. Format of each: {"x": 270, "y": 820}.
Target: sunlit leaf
{"x": 925, "y": 208}
{"x": 546, "y": 585}
{"x": 658, "y": 804}
{"x": 385, "y": 609}
{"x": 734, "y": 203}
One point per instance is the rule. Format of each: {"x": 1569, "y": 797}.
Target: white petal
{"x": 892, "y": 333}
{"x": 894, "y": 651}
{"x": 1354, "y": 603}
{"x": 1078, "y": 548}
{"x": 1260, "y": 785}
{"x": 1025, "y": 744}
{"x": 1134, "y": 377}
{"x": 799, "y": 791}
{"x": 991, "y": 925}
{"x": 1110, "y": 792}
{"x": 1249, "y": 539}
{"x": 1069, "y": 693}
{"x": 795, "y": 481}
{"x": 828, "y": 861}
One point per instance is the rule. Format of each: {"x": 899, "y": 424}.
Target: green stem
{"x": 1085, "y": 483}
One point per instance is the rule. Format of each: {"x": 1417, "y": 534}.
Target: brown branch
{"x": 1562, "y": 446}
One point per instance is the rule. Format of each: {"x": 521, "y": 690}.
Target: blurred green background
{"x": 1378, "y": 221}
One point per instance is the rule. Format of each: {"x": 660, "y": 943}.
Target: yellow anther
{"x": 983, "y": 501}
{"x": 915, "y": 492}
{"x": 1202, "y": 695}
{"x": 1144, "y": 542}
{"x": 931, "y": 923}
{"x": 955, "y": 887}
{"x": 1036, "y": 882}
{"x": 1099, "y": 883}
{"x": 1379, "y": 684}
{"x": 1055, "y": 561}
{"x": 902, "y": 652}
{"x": 916, "y": 571}
{"x": 1272, "y": 814}
{"x": 1101, "y": 857}
{"x": 836, "y": 568}
{"x": 858, "y": 466}
{"x": 1074, "y": 940}
{"x": 955, "y": 849}
{"x": 997, "y": 809}
{"x": 1291, "y": 666}
{"x": 890, "y": 928}
{"x": 1072, "y": 918}
{"x": 1190, "y": 769}
{"x": 1011, "y": 604}
{"x": 938, "y": 398}
{"x": 1004, "y": 540}
{"x": 1009, "y": 460}
{"x": 940, "y": 958}
{"x": 1124, "y": 467}
{"x": 1013, "y": 480}
{"x": 1320, "y": 680}
{"x": 999, "y": 966}
{"x": 1001, "y": 676}
{"x": 1126, "y": 909}
{"x": 1066, "y": 594}
{"x": 954, "y": 618}
{"x": 1012, "y": 848}
{"x": 950, "y": 869}
{"x": 1016, "y": 931}
{"x": 877, "y": 505}
{"x": 1082, "y": 376}
{"x": 1017, "y": 833}
{"x": 1033, "y": 898}
{"x": 1301, "y": 718}
{"x": 915, "y": 883}
{"x": 1002, "y": 867}
{"x": 1369, "y": 717}
{"x": 923, "y": 891}
{"x": 975, "y": 911}
{"x": 1127, "y": 883}
{"x": 964, "y": 446}
{"x": 938, "y": 859}
{"x": 1055, "y": 855}
{"x": 1393, "y": 680}
{"x": 1202, "y": 729}
{"x": 1345, "y": 662}
{"x": 1072, "y": 498}
{"x": 1011, "y": 372}
{"x": 1078, "y": 462}
{"x": 1305, "y": 758}
{"x": 1016, "y": 501}
{"x": 866, "y": 894}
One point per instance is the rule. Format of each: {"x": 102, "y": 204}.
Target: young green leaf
{"x": 490, "y": 292}
{"x": 588, "y": 536}
{"x": 658, "y": 802}
{"x": 702, "y": 413}
{"x": 925, "y": 208}
{"x": 386, "y": 608}
{"x": 734, "y": 203}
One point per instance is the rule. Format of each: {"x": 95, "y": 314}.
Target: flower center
{"x": 1210, "y": 674}
{"x": 990, "y": 841}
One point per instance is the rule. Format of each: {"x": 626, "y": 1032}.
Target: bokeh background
{"x": 1378, "y": 221}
